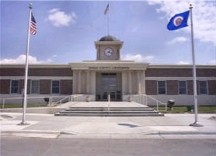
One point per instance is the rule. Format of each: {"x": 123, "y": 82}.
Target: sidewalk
{"x": 50, "y": 126}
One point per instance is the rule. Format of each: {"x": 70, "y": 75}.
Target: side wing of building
{"x": 166, "y": 82}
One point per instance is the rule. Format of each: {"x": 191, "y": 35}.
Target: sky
{"x": 67, "y": 30}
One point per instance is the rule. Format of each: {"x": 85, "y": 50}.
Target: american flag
{"x": 33, "y": 27}
{"x": 106, "y": 10}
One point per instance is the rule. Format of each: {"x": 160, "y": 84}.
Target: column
{"x": 83, "y": 82}
{"x": 138, "y": 83}
{"x": 93, "y": 82}
{"x": 129, "y": 82}
{"x": 88, "y": 82}
{"x": 143, "y": 82}
{"x": 74, "y": 82}
{"x": 124, "y": 83}
{"x": 79, "y": 82}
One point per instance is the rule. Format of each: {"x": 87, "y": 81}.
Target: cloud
{"x": 21, "y": 60}
{"x": 204, "y": 16}
{"x": 183, "y": 62}
{"x": 61, "y": 19}
{"x": 177, "y": 40}
{"x": 138, "y": 58}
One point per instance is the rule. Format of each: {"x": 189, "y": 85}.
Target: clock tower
{"x": 108, "y": 48}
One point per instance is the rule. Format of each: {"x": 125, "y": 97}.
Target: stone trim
{"x": 182, "y": 66}
{"x": 35, "y": 66}
{"x": 180, "y": 78}
{"x": 37, "y": 77}
{"x": 109, "y": 65}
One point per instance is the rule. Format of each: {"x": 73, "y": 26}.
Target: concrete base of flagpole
{"x": 196, "y": 124}
{"x": 23, "y": 123}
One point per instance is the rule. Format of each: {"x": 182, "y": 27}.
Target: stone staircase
{"x": 108, "y": 109}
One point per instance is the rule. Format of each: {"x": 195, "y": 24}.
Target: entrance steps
{"x": 108, "y": 109}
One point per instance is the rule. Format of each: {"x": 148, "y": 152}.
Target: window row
{"x": 55, "y": 87}
{"x": 34, "y": 87}
{"x": 182, "y": 87}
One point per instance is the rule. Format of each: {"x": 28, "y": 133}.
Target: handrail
{"x": 61, "y": 100}
{"x": 142, "y": 101}
{"x": 158, "y": 102}
{"x": 76, "y": 97}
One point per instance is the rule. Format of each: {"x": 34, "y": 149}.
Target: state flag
{"x": 178, "y": 21}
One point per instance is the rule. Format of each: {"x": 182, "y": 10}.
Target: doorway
{"x": 109, "y": 83}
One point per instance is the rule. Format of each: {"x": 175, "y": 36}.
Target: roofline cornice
{"x": 35, "y": 66}
{"x": 181, "y": 66}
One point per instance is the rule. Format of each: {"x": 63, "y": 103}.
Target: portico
{"x": 100, "y": 78}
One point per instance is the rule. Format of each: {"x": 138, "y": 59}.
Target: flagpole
{"x": 108, "y": 24}
{"x": 195, "y": 124}
{"x": 26, "y": 69}
{"x": 108, "y": 19}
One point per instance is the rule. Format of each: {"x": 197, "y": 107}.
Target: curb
{"x": 58, "y": 133}
{"x": 30, "y": 132}
{"x": 182, "y": 133}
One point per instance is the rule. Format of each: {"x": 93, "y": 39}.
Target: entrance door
{"x": 109, "y": 83}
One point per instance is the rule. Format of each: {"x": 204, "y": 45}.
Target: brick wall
{"x": 66, "y": 86}
{"x": 155, "y": 72}
{"x": 166, "y": 72}
{"x": 190, "y": 87}
{"x": 12, "y": 72}
{"x": 4, "y": 86}
{"x": 212, "y": 87}
{"x": 206, "y": 72}
{"x": 45, "y": 86}
{"x": 151, "y": 87}
{"x": 50, "y": 72}
{"x": 172, "y": 87}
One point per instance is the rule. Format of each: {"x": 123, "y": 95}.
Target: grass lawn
{"x": 20, "y": 105}
{"x": 175, "y": 109}
{"x": 189, "y": 109}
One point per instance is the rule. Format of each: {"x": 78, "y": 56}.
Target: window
{"x": 35, "y": 86}
{"x": 14, "y": 86}
{"x": 161, "y": 85}
{"x": 182, "y": 87}
{"x": 55, "y": 87}
{"x": 203, "y": 87}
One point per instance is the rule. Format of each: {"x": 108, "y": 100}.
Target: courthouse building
{"x": 108, "y": 74}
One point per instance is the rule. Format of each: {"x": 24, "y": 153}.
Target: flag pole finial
{"x": 191, "y": 6}
{"x": 30, "y": 6}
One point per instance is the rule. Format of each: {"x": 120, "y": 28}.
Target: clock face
{"x": 108, "y": 52}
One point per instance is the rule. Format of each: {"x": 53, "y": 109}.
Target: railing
{"x": 143, "y": 99}
{"x": 74, "y": 98}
